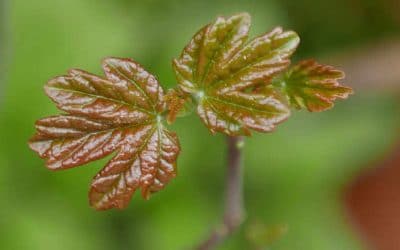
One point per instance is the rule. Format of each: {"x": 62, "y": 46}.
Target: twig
{"x": 234, "y": 211}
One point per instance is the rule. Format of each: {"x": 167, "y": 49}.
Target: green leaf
{"x": 119, "y": 113}
{"x": 313, "y": 86}
{"x": 220, "y": 69}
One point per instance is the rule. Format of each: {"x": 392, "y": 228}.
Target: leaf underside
{"x": 221, "y": 70}
{"x": 117, "y": 114}
{"x": 311, "y": 85}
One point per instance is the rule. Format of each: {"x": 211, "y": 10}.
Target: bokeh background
{"x": 295, "y": 177}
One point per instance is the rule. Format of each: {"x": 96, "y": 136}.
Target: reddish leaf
{"x": 119, "y": 113}
{"x": 313, "y": 86}
{"x": 178, "y": 104}
{"x": 219, "y": 69}
{"x": 147, "y": 160}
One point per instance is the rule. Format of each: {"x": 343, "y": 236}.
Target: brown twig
{"x": 234, "y": 211}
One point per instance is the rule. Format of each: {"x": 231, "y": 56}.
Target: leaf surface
{"x": 117, "y": 114}
{"x": 314, "y": 86}
{"x": 220, "y": 69}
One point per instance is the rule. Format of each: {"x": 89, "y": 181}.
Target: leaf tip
{"x": 146, "y": 194}
{"x": 107, "y": 61}
{"x": 244, "y": 16}
{"x": 38, "y": 147}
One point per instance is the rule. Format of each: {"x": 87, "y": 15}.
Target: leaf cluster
{"x": 234, "y": 84}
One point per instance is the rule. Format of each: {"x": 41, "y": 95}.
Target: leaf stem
{"x": 234, "y": 209}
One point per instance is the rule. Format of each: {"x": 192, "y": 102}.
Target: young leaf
{"x": 178, "y": 104}
{"x": 219, "y": 69}
{"x": 119, "y": 113}
{"x": 313, "y": 86}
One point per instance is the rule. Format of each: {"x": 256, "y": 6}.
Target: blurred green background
{"x": 294, "y": 176}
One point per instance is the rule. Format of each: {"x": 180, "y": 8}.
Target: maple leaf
{"x": 119, "y": 113}
{"x": 314, "y": 86}
{"x": 220, "y": 70}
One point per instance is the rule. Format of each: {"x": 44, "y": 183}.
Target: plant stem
{"x": 234, "y": 211}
